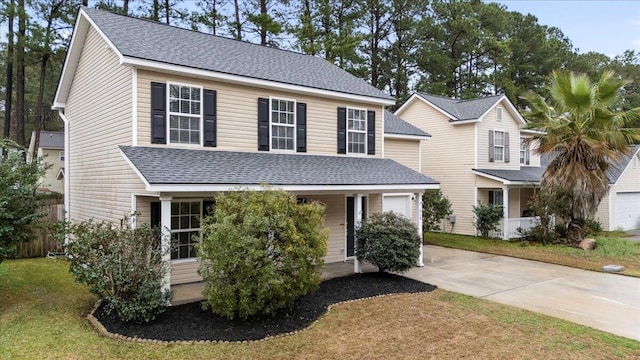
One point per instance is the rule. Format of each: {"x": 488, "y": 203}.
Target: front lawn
{"x": 610, "y": 250}
{"x": 42, "y": 316}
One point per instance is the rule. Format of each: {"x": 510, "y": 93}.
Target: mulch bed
{"x": 191, "y": 322}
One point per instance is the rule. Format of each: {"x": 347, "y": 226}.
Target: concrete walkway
{"x": 606, "y": 302}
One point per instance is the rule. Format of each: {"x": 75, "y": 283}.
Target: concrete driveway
{"x": 606, "y": 302}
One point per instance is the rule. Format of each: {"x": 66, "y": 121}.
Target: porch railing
{"x": 512, "y": 225}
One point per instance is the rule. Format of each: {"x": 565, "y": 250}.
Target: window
{"x": 524, "y": 151}
{"x": 184, "y": 114}
{"x": 283, "y": 124}
{"x": 356, "y": 131}
{"x": 498, "y": 114}
{"x": 185, "y": 228}
{"x": 61, "y": 156}
{"x": 495, "y": 197}
{"x": 498, "y": 145}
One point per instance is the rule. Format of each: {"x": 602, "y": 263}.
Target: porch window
{"x": 185, "y": 228}
{"x": 498, "y": 145}
{"x": 356, "y": 131}
{"x": 495, "y": 197}
{"x": 184, "y": 114}
{"x": 524, "y": 151}
{"x": 283, "y": 125}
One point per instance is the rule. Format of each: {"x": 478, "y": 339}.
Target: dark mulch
{"x": 190, "y": 322}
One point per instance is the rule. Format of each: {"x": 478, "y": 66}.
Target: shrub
{"x": 389, "y": 241}
{"x": 121, "y": 265}
{"x": 19, "y": 206}
{"x": 591, "y": 227}
{"x": 435, "y": 207}
{"x": 487, "y": 218}
{"x": 260, "y": 251}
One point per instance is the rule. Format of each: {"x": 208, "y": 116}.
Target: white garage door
{"x": 628, "y": 211}
{"x": 400, "y": 204}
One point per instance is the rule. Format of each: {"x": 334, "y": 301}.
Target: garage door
{"x": 400, "y": 204}
{"x": 628, "y": 210}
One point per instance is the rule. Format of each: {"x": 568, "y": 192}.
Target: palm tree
{"x": 579, "y": 126}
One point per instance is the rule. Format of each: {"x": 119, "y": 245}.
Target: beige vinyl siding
{"x": 49, "y": 180}
{"x": 602, "y": 214}
{"x": 99, "y": 111}
{"x": 447, "y": 157}
{"x": 336, "y": 222}
{"x": 237, "y": 114}
{"x": 404, "y": 151}
{"x": 534, "y": 158}
{"x": 508, "y": 124}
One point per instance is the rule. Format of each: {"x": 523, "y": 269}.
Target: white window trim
{"x": 169, "y": 113}
{"x": 494, "y": 192}
{"x": 527, "y": 153}
{"x": 495, "y": 158}
{"x": 295, "y": 125}
{"x": 499, "y": 111}
{"x": 366, "y": 129}
{"x": 174, "y": 231}
{"x": 61, "y": 155}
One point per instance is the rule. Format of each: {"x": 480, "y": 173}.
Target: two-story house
{"x": 51, "y": 150}
{"x": 481, "y": 154}
{"x": 159, "y": 119}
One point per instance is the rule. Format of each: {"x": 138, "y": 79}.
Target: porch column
{"x": 505, "y": 214}
{"x": 357, "y": 199}
{"x": 420, "y": 227}
{"x": 165, "y": 224}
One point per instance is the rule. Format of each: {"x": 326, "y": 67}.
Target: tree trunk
{"x": 167, "y": 8}
{"x": 85, "y": 2}
{"x": 9, "y": 89}
{"x": 155, "y": 15}
{"x": 263, "y": 29}
{"x": 20, "y": 119}
{"x": 237, "y": 24}
{"x": 125, "y": 7}
{"x": 574, "y": 232}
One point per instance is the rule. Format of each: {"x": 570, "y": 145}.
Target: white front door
{"x": 628, "y": 210}
{"x": 399, "y": 204}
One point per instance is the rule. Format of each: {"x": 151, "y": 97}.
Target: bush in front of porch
{"x": 487, "y": 218}
{"x": 260, "y": 251}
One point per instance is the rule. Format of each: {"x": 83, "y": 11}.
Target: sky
{"x": 606, "y": 26}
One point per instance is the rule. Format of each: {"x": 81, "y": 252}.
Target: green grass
{"x": 610, "y": 250}
{"x": 42, "y": 316}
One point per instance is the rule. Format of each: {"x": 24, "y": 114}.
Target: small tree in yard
{"x": 389, "y": 241}
{"x": 121, "y": 265}
{"x": 19, "y": 206}
{"x": 435, "y": 207}
{"x": 547, "y": 204}
{"x": 487, "y": 218}
{"x": 260, "y": 251}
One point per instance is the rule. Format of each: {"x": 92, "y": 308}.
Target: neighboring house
{"x": 159, "y": 119}
{"x": 51, "y": 149}
{"x": 481, "y": 154}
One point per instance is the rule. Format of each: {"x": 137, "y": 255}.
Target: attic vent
{"x": 498, "y": 114}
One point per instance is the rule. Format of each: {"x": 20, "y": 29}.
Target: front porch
{"x": 515, "y": 202}
{"x": 186, "y": 293}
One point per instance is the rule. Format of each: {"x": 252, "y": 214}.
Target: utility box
{"x": 452, "y": 219}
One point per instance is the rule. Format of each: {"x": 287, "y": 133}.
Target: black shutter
{"x": 301, "y": 127}
{"x": 209, "y": 118}
{"x": 506, "y": 147}
{"x": 491, "y": 148}
{"x": 371, "y": 132}
{"x": 263, "y": 124}
{"x": 156, "y": 214}
{"x": 208, "y": 207}
{"x": 342, "y": 130}
{"x": 158, "y": 113}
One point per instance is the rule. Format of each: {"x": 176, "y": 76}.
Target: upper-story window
{"x": 61, "y": 156}
{"x": 283, "y": 124}
{"x": 356, "y": 131}
{"x": 498, "y": 145}
{"x": 524, "y": 151}
{"x": 498, "y": 114}
{"x": 185, "y": 108}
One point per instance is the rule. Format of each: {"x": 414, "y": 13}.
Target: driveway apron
{"x": 607, "y": 302}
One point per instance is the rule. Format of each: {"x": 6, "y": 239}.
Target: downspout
{"x": 67, "y": 171}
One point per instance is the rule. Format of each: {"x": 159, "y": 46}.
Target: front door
{"x": 351, "y": 220}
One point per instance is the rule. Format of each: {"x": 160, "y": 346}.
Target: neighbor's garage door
{"x": 400, "y": 204}
{"x": 628, "y": 210}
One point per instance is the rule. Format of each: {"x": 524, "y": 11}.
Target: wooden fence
{"x": 53, "y": 207}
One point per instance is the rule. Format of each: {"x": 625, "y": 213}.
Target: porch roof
{"x": 170, "y": 169}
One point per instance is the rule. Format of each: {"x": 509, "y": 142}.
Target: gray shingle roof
{"x": 534, "y": 174}
{"x": 462, "y": 109}
{"x": 148, "y": 40}
{"x": 395, "y": 125}
{"x": 184, "y": 166}
{"x": 51, "y": 140}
